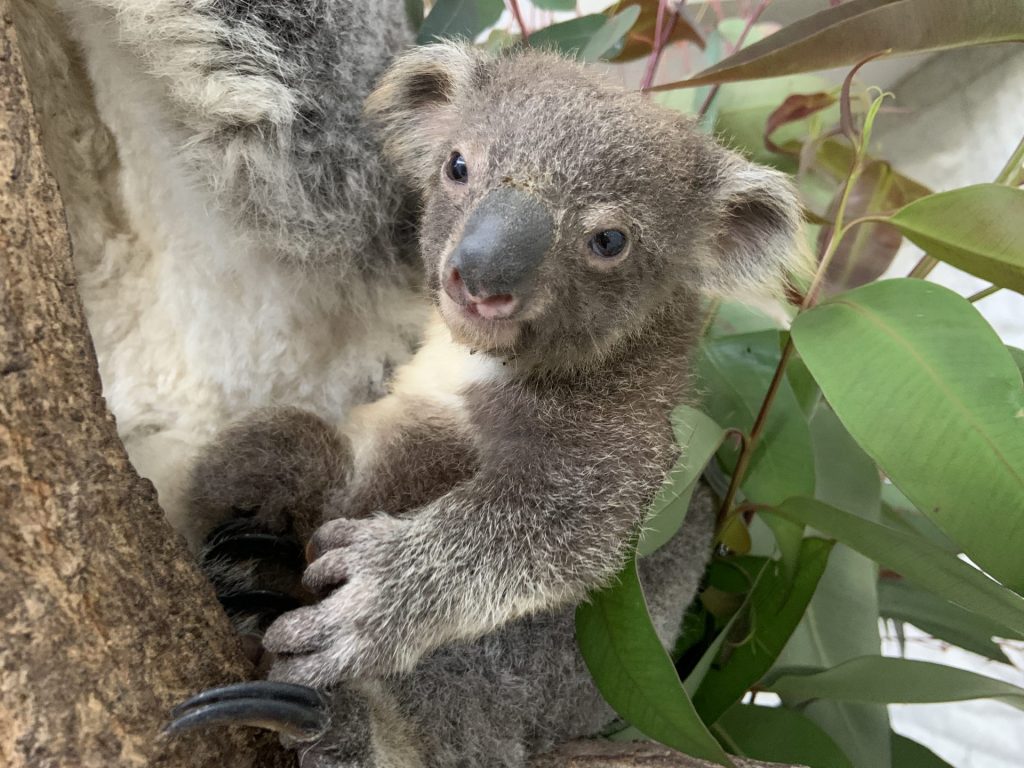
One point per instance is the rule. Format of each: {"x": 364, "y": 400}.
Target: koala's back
{"x": 238, "y": 241}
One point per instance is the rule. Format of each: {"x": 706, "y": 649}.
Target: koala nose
{"x": 495, "y": 264}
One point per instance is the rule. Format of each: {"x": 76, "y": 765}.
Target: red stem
{"x": 660, "y": 41}
{"x": 513, "y": 5}
{"x": 739, "y": 44}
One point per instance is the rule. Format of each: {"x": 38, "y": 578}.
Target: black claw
{"x": 292, "y": 710}
{"x": 235, "y": 544}
{"x": 264, "y": 602}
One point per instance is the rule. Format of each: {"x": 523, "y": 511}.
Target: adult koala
{"x": 239, "y": 239}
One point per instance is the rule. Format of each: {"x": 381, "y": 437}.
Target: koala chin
{"x": 568, "y": 232}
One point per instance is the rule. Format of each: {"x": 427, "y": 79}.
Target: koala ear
{"x": 754, "y": 246}
{"x": 408, "y": 104}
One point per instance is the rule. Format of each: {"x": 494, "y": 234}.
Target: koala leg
{"x": 256, "y": 495}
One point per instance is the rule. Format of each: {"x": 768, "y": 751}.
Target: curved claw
{"x": 293, "y": 710}
{"x": 262, "y": 601}
{"x": 235, "y": 544}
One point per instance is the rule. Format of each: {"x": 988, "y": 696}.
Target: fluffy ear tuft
{"x": 755, "y": 246}
{"x": 407, "y": 105}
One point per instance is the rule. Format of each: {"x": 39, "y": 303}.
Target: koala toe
{"x": 327, "y": 572}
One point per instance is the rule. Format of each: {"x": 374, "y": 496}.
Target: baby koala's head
{"x": 562, "y": 214}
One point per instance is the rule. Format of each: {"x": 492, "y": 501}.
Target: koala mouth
{"x": 488, "y": 324}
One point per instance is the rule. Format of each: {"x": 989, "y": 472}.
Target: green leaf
{"x": 841, "y": 621}
{"x": 902, "y": 602}
{"x": 779, "y": 735}
{"x": 554, "y": 5}
{"x": 735, "y": 371}
{"x": 910, "y": 754}
{"x": 978, "y": 229}
{"x": 898, "y": 512}
{"x": 414, "y": 13}
{"x": 916, "y": 560}
{"x": 635, "y": 674}
{"x": 569, "y": 37}
{"x": 641, "y": 36}
{"x": 881, "y": 680}
{"x": 774, "y": 613}
{"x": 1018, "y": 357}
{"x": 459, "y": 18}
{"x": 608, "y": 39}
{"x": 698, "y": 437}
{"x": 926, "y": 387}
{"x": 846, "y": 34}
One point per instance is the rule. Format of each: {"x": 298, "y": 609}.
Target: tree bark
{"x": 104, "y": 622}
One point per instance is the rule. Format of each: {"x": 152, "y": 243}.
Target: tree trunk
{"x": 104, "y": 622}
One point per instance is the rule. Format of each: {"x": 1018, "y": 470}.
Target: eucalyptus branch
{"x": 517, "y": 14}
{"x": 751, "y": 21}
{"x": 660, "y": 41}
{"x": 983, "y": 293}
{"x": 838, "y": 232}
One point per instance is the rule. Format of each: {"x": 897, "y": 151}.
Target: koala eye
{"x": 456, "y": 169}
{"x": 608, "y": 243}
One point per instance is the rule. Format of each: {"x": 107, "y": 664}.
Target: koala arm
{"x": 519, "y": 537}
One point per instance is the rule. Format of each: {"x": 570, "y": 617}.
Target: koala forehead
{"x": 541, "y": 120}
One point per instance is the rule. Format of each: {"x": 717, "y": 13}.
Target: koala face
{"x": 562, "y": 214}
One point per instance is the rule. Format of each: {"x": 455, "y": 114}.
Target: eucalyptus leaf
{"x": 903, "y": 602}
{"x": 842, "y": 35}
{"x": 1018, "y": 357}
{"x": 918, "y": 561}
{"x": 978, "y": 229}
{"x": 841, "y": 621}
{"x": 910, "y": 754}
{"x": 735, "y": 372}
{"x": 926, "y": 387}
{"x": 554, "y": 5}
{"x": 459, "y": 19}
{"x": 882, "y": 680}
{"x": 569, "y": 37}
{"x": 607, "y": 41}
{"x": 635, "y": 674}
{"x": 698, "y": 437}
{"x": 778, "y": 735}
{"x": 775, "y": 610}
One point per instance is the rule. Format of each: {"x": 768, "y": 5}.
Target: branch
{"x": 612, "y": 754}
{"x": 106, "y": 623}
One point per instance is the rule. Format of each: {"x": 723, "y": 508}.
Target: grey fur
{"x": 448, "y": 620}
{"x": 269, "y": 94}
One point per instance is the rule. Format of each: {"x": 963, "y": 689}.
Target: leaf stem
{"x": 513, "y": 5}
{"x": 810, "y": 298}
{"x": 984, "y": 292}
{"x": 751, "y": 21}
{"x": 660, "y": 40}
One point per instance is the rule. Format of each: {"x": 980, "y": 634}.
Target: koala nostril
{"x": 454, "y": 286}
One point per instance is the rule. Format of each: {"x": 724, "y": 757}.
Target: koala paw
{"x": 362, "y": 627}
{"x": 255, "y": 495}
{"x": 273, "y": 469}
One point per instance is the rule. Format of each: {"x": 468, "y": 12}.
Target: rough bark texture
{"x": 606, "y": 754}
{"x": 96, "y": 643}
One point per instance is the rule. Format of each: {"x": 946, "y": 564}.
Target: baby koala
{"x": 568, "y": 231}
